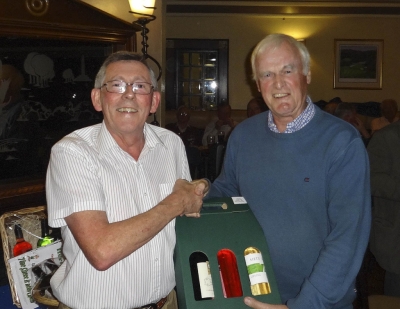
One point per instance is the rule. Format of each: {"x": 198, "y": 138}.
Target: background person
{"x": 114, "y": 189}
{"x": 224, "y": 123}
{"x": 383, "y": 150}
{"x": 305, "y": 175}
{"x": 348, "y": 113}
{"x": 190, "y": 135}
{"x": 389, "y": 111}
{"x": 256, "y": 106}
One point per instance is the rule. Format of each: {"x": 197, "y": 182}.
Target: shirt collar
{"x": 106, "y": 141}
{"x": 298, "y": 123}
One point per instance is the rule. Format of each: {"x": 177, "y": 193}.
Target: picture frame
{"x": 358, "y": 64}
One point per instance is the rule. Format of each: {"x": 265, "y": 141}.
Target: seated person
{"x": 224, "y": 123}
{"x": 190, "y": 135}
{"x": 331, "y": 106}
{"x": 347, "y": 112}
{"x": 389, "y": 114}
{"x": 256, "y": 106}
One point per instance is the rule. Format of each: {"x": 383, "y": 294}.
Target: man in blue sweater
{"x": 305, "y": 175}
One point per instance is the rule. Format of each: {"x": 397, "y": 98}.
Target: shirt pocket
{"x": 165, "y": 190}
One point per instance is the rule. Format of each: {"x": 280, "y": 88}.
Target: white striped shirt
{"x": 89, "y": 171}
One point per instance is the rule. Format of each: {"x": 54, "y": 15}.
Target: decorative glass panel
{"x": 185, "y": 59}
{"x": 186, "y": 72}
{"x": 196, "y": 88}
{"x": 196, "y": 73}
{"x": 210, "y": 59}
{"x": 210, "y": 73}
{"x": 185, "y": 87}
{"x": 196, "y": 59}
{"x": 195, "y": 102}
{"x": 210, "y": 87}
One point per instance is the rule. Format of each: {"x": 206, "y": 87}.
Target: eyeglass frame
{"x": 126, "y": 85}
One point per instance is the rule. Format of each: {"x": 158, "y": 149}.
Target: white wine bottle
{"x": 256, "y": 269}
{"x": 201, "y": 276}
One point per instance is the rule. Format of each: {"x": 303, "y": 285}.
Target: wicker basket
{"x": 29, "y": 219}
{"x": 51, "y": 302}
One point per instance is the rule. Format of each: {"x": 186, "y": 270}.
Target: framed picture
{"x": 358, "y": 64}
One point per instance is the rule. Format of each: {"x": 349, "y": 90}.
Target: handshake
{"x": 188, "y": 196}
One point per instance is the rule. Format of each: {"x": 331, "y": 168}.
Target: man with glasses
{"x": 115, "y": 189}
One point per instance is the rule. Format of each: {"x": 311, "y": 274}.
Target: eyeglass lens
{"x": 117, "y": 86}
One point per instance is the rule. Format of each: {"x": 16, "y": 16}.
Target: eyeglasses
{"x": 119, "y": 86}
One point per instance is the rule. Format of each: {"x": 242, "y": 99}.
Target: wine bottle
{"x": 46, "y": 238}
{"x": 43, "y": 279}
{"x": 256, "y": 269}
{"x": 230, "y": 279}
{"x": 201, "y": 276}
{"x": 21, "y": 245}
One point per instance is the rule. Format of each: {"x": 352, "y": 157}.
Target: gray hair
{"x": 122, "y": 56}
{"x": 275, "y": 40}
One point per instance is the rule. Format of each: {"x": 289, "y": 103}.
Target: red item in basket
{"x": 22, "y": 245}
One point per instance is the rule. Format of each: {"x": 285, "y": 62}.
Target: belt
{"x": 157, "y": 305}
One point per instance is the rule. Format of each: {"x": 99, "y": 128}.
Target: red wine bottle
{"x": 21, "y": 245}
{"x": 201, "y": 276}
{"x": 230, "y": 279}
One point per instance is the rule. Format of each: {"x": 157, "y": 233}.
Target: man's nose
{"x": 279, "y": 81}
{"x": 129, "y": 91}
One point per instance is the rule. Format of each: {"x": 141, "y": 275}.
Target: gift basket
{"x": 32, "y": 253}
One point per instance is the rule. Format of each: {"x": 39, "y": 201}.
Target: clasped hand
{"x": 191, "y": 195}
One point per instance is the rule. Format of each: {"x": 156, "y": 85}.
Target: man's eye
{"x": 139, "y": 86}
{"x": 117, "y": 84}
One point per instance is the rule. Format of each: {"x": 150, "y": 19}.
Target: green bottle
{"x": 46, "y": 239}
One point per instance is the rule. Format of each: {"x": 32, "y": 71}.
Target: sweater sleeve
{"x": 349, "y": 213}
{"x": 383, "y": 150}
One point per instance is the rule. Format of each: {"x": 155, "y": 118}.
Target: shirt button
{"x": 156, "y": 260}
{"x": 145, "y": 194}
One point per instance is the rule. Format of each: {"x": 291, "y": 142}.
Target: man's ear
{"x": 155, "y": 101}
{"x": 309, "y": 77}
{"x": 95, "y": 95}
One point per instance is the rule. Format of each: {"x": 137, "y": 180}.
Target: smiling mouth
{"x": 127, "y": 110}
{"x": 280, "y": 95}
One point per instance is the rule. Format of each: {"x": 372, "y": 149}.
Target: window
{"x": 197, "y": 73}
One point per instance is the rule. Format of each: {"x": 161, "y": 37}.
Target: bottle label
{"x": 206, "y": 285}
{"x": 256, "y": 268}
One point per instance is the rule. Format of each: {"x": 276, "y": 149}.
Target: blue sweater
{"x": 310, "y": 192}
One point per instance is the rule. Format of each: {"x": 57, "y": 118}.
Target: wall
{"x": 120, "y": 9}
{"x": 244, "y": 32}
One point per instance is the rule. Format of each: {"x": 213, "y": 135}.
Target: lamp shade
{"x": 142, "y": 7}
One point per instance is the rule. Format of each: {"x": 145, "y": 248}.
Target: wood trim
{"x": 282, "y": 10}
{"x": 22, "y": 193}
{"x": 66, "y": 19}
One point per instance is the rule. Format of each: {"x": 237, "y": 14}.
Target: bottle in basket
{"x": 21, "y": 245}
